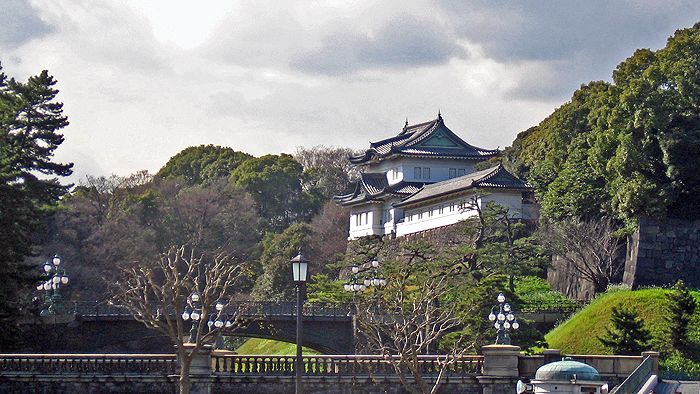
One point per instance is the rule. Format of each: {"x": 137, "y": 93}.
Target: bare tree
{"x": 406, "y": 319}
{"x": 326, "y": 169}
{"x": 590, "y": 247}
{"x": 157, "y": 294}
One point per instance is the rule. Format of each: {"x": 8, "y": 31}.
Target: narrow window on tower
{"x": 453, "y": 172}
{"x": 416, "y": 172}
{"x": 426, "y": 173}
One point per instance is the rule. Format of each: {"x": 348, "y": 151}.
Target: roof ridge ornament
{"x": 405, "y": 126}
{"x": 439, "y": 115}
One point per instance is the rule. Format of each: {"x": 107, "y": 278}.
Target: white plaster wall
{"x": 372, "y": 226}
{"x": 451, "y": 214}
{"x": 439, "y": 169}
{"x": 509, "y": 199}
{"x": 513, "y": 200}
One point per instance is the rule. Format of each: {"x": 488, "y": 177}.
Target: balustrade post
{"x": 654, "y": 360}
{"x": 551, "y": 355}
{"x": 201, "y": 375}
{"x": 500, "y": 372}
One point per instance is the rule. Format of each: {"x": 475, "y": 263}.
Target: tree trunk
{"x": 600, "y": 285}
{"x": 185, "y": 384}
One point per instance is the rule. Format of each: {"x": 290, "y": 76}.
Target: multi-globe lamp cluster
{"x": 54, "y": 277}
{"x": 193, "y": 311}
{"x": 358, "y": 283}
{"x": 504, "y": 320}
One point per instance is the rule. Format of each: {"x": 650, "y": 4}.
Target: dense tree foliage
{"x": 110, "y": 222}
{"x": 274, "y": 182}
{"x": 624, "y": 149}
{"x": 30, "y": 121}
{"x": 478, "y": 261}
{"x": 203, "y": 164}
{"x": 274, "y": 283}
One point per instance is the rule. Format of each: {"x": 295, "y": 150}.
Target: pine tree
{"x": 628, "y": 334}
{"x": 681, "y": 308}
{"x": 29, "y": 123}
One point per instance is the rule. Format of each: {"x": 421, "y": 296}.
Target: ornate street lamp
{"x": 54, "y": 277}
{"x": 364, "y": 278}
{"x": 193, "y": 312}
{"x": 504, "y": 320}
{"x": 299, "y": 270}
{"x": 217, "y": 320}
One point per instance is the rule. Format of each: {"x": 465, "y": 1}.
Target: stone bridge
{"x": 95, "y": 327}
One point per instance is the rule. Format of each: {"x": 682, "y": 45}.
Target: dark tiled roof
{"x": 414, "y": 140}
{"x": 374, "y": 187}
{"x": 492, "y": 178}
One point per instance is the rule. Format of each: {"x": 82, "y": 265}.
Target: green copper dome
{"x": 565, "y": 370}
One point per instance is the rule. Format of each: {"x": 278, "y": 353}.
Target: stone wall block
{"x": 662, "y": 252}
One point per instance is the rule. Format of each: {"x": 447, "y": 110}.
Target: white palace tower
{"x": 420, "y": 180}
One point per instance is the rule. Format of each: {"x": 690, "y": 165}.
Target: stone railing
{"x": 86, "y": 364}
{"x": 566, "y": 306}
{"x": 250, "y": 309}
{"x": 336, "y": 365}
{"x": 637, "y": 379}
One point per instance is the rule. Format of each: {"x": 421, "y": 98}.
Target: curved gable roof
{"x": 428, "y": 139}
{"x": 374, "y": 187}
{"x": 492, "y": 178}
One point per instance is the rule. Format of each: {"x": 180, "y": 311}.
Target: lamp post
{"x": 364, "y": 277}
{"x": 54, "y": 277}
{"x": 217, "y": 320}
{"x": 504, "y": 320}
{"x": 193, "y": 312}
{"x": 299, "y": 270}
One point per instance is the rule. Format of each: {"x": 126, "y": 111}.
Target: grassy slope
{"x": 579, "y": 334}
{"x": 268, "y": 346}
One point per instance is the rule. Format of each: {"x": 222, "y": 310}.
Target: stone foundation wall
{"x": 661, "y": 252}
{"x": 62, "y": 384}
{"x": 566, "y": 280}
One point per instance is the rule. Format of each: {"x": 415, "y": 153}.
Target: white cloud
{"x": 143, "y": 80}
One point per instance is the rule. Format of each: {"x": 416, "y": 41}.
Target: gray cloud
{"x": 538, "y": 30}
{"x": 578, "y": 40}
{"x": 19, "y": 23}
{"x": 398, "y": 44}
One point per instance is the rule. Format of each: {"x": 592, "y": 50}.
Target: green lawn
{"x": 268, "y": 346}
{"x": 579, "y": 334}
{"x": 536, "y": 291}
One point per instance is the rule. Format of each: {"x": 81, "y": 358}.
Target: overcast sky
{"x": 142, "y": 80}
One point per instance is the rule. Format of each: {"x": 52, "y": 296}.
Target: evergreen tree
{"x": 29, "y": 123}
{"x": 628, "y": 334}
{"x": 681, "y": 308}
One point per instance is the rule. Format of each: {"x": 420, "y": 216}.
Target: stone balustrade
{"x": 112, "y": 364}
{"x": 336, "y": 365}
{"x": 214, "y": 371}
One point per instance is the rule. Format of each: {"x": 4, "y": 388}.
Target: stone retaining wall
{"x": 661, "y": 252}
